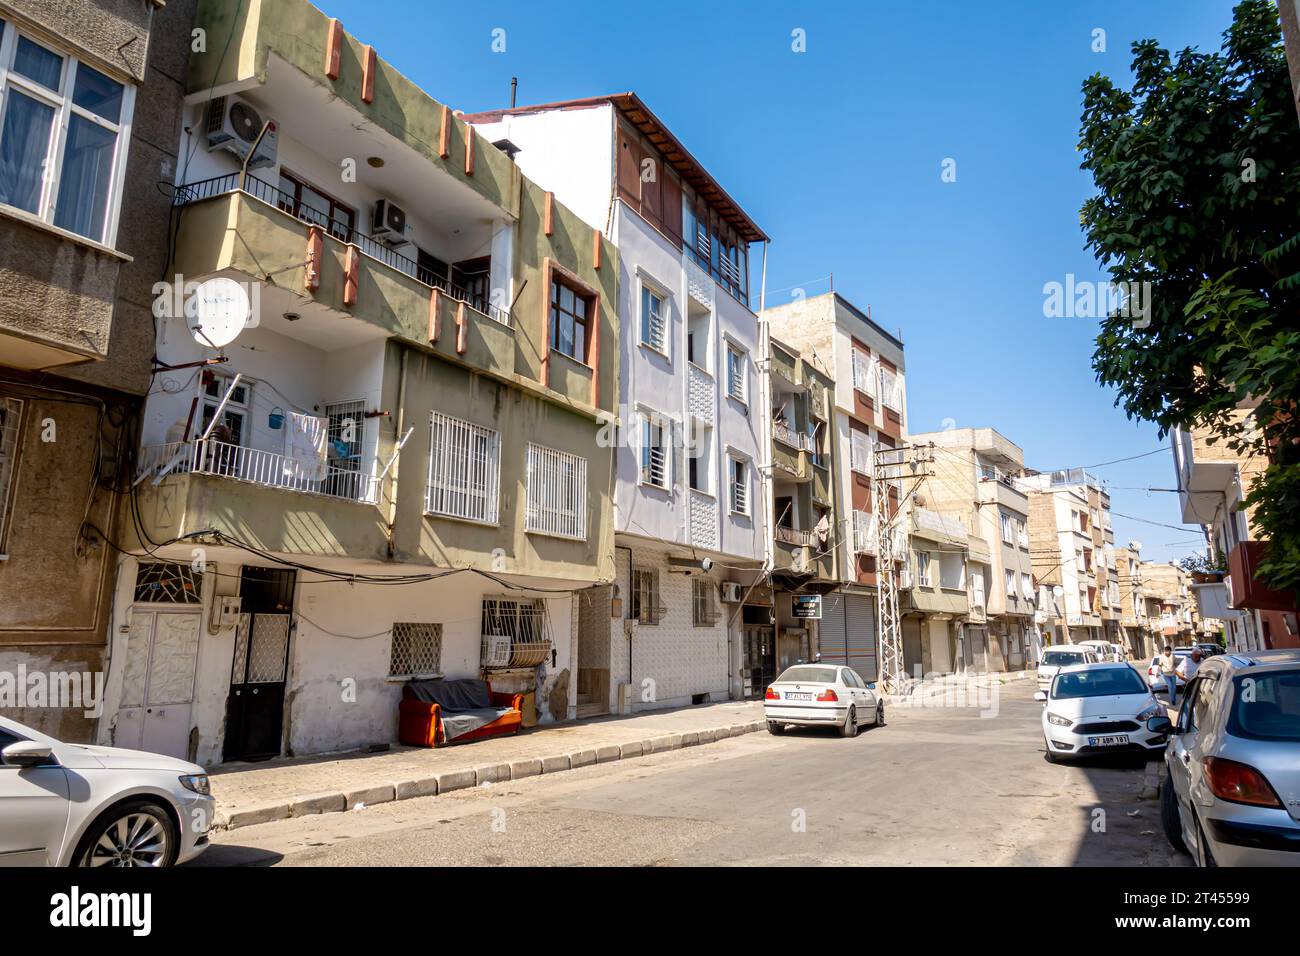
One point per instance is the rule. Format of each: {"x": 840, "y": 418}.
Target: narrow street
{"x": 935, "y": 786}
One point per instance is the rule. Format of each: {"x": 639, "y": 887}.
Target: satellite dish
{"x": 217, "y": 312}
{"x": 1058, "y": 591}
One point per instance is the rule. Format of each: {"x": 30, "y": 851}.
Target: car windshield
{"x": 1266, "y": 706}
{"x": 1099, "y": 682}
{"x": 808, "y": 675}
{"x": 1063, "y": 658}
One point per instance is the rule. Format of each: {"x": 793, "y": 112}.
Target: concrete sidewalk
{"x": 297, "y": 786}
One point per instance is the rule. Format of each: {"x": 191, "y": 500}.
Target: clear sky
{"x": 837, "y": 152}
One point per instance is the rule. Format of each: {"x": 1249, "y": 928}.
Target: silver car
{"x": 1232, "y": 797}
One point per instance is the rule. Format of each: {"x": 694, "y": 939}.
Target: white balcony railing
{"x": 787, "y": 435}
{"x": 791, "y": 536}
{"x": 704, "y": 520}
{"x": 350, "y": 479}
{"x": 700, "y": 391}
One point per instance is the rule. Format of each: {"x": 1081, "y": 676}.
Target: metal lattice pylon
{"x": 888, "y": 465}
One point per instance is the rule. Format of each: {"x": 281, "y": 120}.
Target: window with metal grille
{"x": 890, "y": 392}
{"x": 514, "y": 633}
{"x": 736, "y": 374}
{"x": 167, "y": 582}
{"x": 416, "y": 650}
{"x": 704, "y": 602}
{"x": 864, "y": 373}
{"x": 654, "y": 319}
{"x": 864, "y": 532}
{"x": 557, "y": 493}
{"x": 654, "y": 452}
{"x": 923, "y": 568}
{"x": 464, "y": 470}
{"x": 740, "y": 486}
{"x": 11, "y": 416}
{"x": 644, "y": 606}
{"x": 860, "y": 451}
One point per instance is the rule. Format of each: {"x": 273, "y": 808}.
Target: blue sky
{"x": 837, "y": 153}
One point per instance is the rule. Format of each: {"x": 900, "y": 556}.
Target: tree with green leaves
{"x": 1197, "y": 169}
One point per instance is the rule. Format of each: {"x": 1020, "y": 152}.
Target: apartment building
{"x": 400, "y": 466}
{"x": 689, "y": 522}
{"x": 1135, "y": 626}
{"x": 91, "y": 117}
{"x": 1170, "y": 587}
{"x": 810, "y": 619}
{"x": 869, "y": 412}
{"x": 1067, "y": 534}
{"x": 974, "y": 482}
{"x": 1213, "y": 482}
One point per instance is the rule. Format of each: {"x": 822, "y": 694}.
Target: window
{"x": 1022, "y": 536}
{"x": 11, "y": 416}
{"x": 1009, "y": 579}
{"x": 923, "y": 568}
{"x": 167, "y": 582}
{"x": 644, "y": 606}
{"x": 977, "y": 587}
{"x": 231, "y": 430}
{"x": 654, "y": 451}
{"x": 654, "y": 319}
{"x": 514, "y": 633}
{"x": 309, "y": 204}
{"x": 61, "y": 149}
{"x": 864, "y": 372}
{"x": 557, "y": 493}
{"x": 860, "y": 451}
{"x": 739, "y": 486}
{"x": 1027, "y": 586}
{"x": 416, "y": 650}
{"x": 864, "y": 532}
{"x": 570, "y": 313}
{"x": 890, "y": 392}
{"x": 736, "y": 374}
{"x": 464, "y": 470}
{"x": 704, "y": 602}
{"x": 1008, "y": 535}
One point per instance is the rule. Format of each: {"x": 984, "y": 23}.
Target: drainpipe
{"x": 401, "y": 423}
{"x": 765, "y": 413}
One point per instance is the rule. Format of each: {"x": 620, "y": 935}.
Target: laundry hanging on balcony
{"x": 304, "y": 447}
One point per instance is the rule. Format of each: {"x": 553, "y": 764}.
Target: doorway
{"x": 162, "y": 651}
{"x": 255, "y": 705}
{"x": 758, "y": 668}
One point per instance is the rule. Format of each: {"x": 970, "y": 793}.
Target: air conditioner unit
{"x": 225, "y": 611}
{"x": 388, "y": 221}
{"x": 234, "y": 124}
{"x": 732, "y": 592}
{"x": 905, "y": 579}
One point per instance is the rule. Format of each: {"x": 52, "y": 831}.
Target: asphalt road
{"x": 936, "y": 785}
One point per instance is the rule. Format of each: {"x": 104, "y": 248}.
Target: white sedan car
{"x": 822, "y": 695}
{"x": 1062, "y": 655}
{"x": 82, "y": 805}
{"x": 1099, "y": 708}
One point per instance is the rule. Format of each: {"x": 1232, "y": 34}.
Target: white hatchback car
{"x": 1099, "y": 708}
{"x": 1062, "y": 655}
{"x": 82, "y": 805}
{"x": 822, "y": 695}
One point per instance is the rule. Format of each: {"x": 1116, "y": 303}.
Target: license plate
{"x": 798, "y": 696}
{"x": 1117, "y": 740}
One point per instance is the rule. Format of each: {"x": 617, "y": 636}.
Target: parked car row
{"x": 1232, "y": 794}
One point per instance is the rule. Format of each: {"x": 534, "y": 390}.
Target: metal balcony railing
{"x": 380, "y": 251}
{"x": 791, "y": 536}
{"x": 349, "y": 479}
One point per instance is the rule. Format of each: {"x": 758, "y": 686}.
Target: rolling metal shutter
{"x": 860, "y": 631}
{"x": 830, "y": 633}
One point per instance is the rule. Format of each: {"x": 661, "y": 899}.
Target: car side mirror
{"x": 1160, "y": 725}
{"x": 1040, "y": 695}
{"x": 871, "y": 685}
{"x": 28, "y": 753}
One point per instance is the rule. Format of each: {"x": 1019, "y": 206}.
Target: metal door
{"x": 760, "y": 659}
{"x": 162, "y": 652}
{"x": 860, "y": 635}
{"x": 255, "y": 706}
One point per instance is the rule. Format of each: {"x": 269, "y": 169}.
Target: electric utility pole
{"x": 890, "y": 466}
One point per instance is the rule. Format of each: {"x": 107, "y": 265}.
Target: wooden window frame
{"x": 299, "y": 184}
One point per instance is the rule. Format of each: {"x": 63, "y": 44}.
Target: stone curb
{"x": 449, "y": 780}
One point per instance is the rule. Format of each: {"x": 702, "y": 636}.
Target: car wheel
{"x": 880, "y": 715}
{"x": 775, "y": 729}
{"x": 135, "y": 833}
{"x": 850, "y": 726}
{"x": 1169, "y": 816}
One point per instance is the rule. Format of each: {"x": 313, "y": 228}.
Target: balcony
{"x": 822, "y": 489}
{"x": 941, "y": 528}
{"x": 700, "y": 393}
{"x": 1205, "y": 474}
{"x": 790, "y": 437}
{"x": 790, "y": 465}
{"x": 704, "y": 520}
{"x": 785, "y": 365}
{"x": 252, "y": 230}
{"x": 1248, "y": 591}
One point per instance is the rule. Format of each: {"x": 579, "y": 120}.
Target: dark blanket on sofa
{"x": 466, "y": 704}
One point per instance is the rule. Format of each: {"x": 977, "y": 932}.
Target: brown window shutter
{"x": 629, "y": 169}
{"x": 651, "y": 189}
{"x": 672, "y": 206}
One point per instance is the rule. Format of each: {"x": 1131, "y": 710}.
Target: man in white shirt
{"x": 1187, "y": 669}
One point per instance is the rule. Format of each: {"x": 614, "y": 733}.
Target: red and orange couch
{"x": 436, "y": 712}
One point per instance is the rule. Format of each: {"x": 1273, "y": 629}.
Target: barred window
{"x": 416, "y": 650}
{"x": 860, "y": 450}
{"x": 644, "y": 606}
{"x": 864, "y": 372}
{"x": 167, "y": 582}
{"x": 654, "y": 319}
{"x": 736, "y": 374}
{"x": 514, "y": 633}
{"x": 704, "y": 602}
{"x": 654, "y": 452}
{"x": 864, "y": 532}
{"x": 557, "y": 493}
{"x": 11, "y": 416}
{"x": 464, "y": 469}
{"x": 739, "y": 486}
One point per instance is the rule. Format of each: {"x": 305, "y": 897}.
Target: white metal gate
{"x": 162, "y": 651}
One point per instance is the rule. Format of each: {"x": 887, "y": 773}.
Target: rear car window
{"x": 1266, "y": 706}
{"x": 1063, "y": 658}
{"x": 809, "y": 675}
{"x": 1098, "y": 683}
